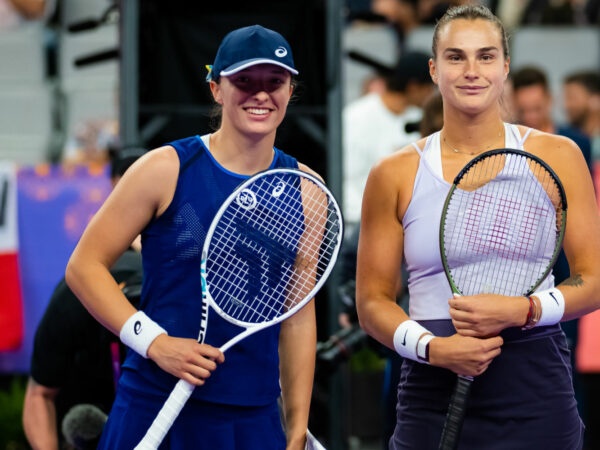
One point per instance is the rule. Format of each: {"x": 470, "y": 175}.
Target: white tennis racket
{"x": 269, "y": 249}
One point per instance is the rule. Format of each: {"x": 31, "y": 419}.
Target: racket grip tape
{"x": 166, "y": 416}
{"x": 456, "y": 414}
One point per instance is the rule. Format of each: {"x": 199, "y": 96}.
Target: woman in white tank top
{"x": 522, "y": 396}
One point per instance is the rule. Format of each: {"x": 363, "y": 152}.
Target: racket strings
{"x": 502, "y": 226}
{"x": 265, "y": 259}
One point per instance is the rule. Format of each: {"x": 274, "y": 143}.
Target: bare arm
{"x": 144, "y": 192}
{"x": 39, "y": 416}
{"x": 582, "y": 236}
{"x": 297, "y": 348}
{"x": 297, "y": 351}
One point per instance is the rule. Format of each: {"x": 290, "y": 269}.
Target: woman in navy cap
{"x": 170, "y": 196}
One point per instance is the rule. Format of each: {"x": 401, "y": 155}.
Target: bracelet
{"x": 533, "y": 315}
{"x": 139, "y": 331}
{"x": 552, "y": 305}
{"x": 407, "y": 337}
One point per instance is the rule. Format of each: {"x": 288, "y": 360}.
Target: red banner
{"x": 11, "y": 305}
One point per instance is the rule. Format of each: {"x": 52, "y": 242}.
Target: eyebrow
{"x": 480, "y": 50}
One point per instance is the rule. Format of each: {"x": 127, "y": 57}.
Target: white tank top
{"x": 427, "y": 283}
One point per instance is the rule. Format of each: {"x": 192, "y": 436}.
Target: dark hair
{"x": 412, "y": 67}
{"x": 589, "y": 79}
{"x": 469, "y": 12}
{"x": 529, "y": 76}
{"x": 433, "y": 114}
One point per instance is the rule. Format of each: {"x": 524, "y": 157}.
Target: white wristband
{"x": 139, "y": 332}
{"x": 406, "y": 338}
{"x": 553, "y": 306}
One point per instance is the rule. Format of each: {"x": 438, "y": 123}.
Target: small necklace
{"x": 455, "y": 150}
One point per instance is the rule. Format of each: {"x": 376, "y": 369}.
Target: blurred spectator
{"x": 92, "y": 142}
{"x": 532, "y": 101}
{"x": 14, "y": 12}
{"x": 433, "y": 114}
{"x": 514, "y": 13}
{"x": 375, "y": 125}
{"x": 75, "y": 359}
{"x": 430, "y": 11}
{"x": 406, "y": 15}
{"x": 581, "y": 100}
{"x": 401, "y": 15}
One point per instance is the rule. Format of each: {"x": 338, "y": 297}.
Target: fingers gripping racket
{"x": 269, "y": 249}
{"x": 501, "y": 231}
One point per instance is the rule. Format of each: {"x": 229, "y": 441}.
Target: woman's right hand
{"x": 464, "y": 355}
{"x": 185, "y": 358}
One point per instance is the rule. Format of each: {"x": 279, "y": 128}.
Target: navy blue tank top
{"x": 171, "y": 292}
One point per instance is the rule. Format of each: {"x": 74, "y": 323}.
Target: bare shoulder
{"x": 305, "y": 168}
{"x": 161, "y": 160}
{"x": 402, "y": 164}
{"x": 152, "y": 178}
{"x": 560, "y": 152}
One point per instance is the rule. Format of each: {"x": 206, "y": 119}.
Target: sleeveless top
{"x": 171, "y": 291}
{"x": 428, "y": 286}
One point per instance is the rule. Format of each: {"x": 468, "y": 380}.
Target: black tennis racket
{"x": 501, "y": 231}
{"x": 269, "y": 249}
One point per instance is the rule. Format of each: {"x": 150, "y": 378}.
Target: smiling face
{"x": 255, "y": 99}
{"x": 470, "y": 66}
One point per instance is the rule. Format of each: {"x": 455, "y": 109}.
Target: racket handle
{"x": 166, "y": 416}
{"x": 456, "y": 413}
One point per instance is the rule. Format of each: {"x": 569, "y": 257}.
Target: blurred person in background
{"x": 15, "y": 12}
{"x": 75, "y": 360}
{"x": 581, "y": 101}
{"x": 374, "y": 125}
{"x": 401, "y": 15}
{"x": 533, "y": 103}
{"x": 515, "y": 13}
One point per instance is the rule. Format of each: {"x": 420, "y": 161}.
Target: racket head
{"x": 502, "y": 224}
{"x": 271, "y": 247}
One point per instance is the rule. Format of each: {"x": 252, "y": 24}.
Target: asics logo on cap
{"x": 281, "y": 52}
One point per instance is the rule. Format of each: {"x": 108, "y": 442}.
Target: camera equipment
{"x": 340, "y": 346}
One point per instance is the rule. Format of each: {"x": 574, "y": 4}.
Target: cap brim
{"x": 235, "y": 68}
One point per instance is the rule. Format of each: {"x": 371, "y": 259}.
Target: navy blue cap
{"x": 249, "y": 46}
